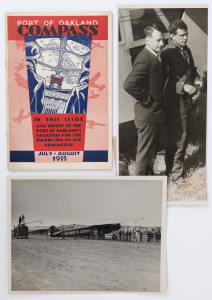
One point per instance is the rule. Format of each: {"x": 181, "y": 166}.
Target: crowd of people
{"x": 137, "y": 235}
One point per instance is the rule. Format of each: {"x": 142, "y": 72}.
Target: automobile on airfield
{"x": 21, "y": 231}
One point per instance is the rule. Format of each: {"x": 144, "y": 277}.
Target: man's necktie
{"x": 185, "y": 55}
{"x": 158, "y": 57}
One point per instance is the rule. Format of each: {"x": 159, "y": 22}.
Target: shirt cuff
{"x": 179, "y": 87}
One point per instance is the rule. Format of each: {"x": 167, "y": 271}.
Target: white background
{"x": 189, "y": 229}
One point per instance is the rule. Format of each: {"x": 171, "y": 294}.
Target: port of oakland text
{"x": 69, "y": 28}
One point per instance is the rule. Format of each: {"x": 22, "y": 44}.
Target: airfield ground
{"x": 42, "y": 263}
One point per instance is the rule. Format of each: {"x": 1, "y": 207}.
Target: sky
{"x": 86, "y": 201}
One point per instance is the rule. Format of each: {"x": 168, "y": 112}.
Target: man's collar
{"x": 153, "y": 52}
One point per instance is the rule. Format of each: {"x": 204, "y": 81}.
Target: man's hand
{"x": 146, "y": 99}
{"x": 199, "y": 83}
{"x": 190, "y": 89}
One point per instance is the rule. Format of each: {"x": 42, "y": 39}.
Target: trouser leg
{"x": 148, "y": 140}
{"x": 176, "y": 130}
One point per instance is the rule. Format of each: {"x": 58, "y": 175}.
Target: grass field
{"x": 193, "y": 187}
{"x": 41, "y": 263}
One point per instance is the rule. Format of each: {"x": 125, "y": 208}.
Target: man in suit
{"x": 145, "y": 83}
{"x": 180, "y": 91}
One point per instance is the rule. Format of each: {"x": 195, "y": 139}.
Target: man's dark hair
{"x": 177, "y": 24}
{"x": 149, "y": 29}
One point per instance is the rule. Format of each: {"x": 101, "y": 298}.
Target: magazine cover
{"x": 108, "y": 236}
{"x": 163, "y": 96}
{"x": 59, "y": 90}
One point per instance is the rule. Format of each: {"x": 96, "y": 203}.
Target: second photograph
{"x": 162, "y": 97}
{"x": 87, "y": 235}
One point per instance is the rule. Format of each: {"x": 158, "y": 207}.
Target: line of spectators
{"x": 137, "y": 235}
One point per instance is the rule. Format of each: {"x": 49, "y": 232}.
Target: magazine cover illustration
{"x": 58, "y": 108}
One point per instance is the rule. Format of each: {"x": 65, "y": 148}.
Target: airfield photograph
{"x": 87, "y": 235}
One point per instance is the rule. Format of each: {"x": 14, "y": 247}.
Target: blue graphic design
{"x": 95, "y": 156}
{"x": 22, "y": 156}
{"x": 58, "y": 73}
{"x": 88, "y": 156}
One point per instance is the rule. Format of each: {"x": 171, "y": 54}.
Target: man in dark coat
{"x": 145, "y": 83}
{"x": 179, "y": 91}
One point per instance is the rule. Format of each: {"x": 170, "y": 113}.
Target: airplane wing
{"x": 94, "y": 78}
{"x": 99, "y": 124}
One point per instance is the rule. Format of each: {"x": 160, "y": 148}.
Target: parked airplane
{"x": 92, "y": 232}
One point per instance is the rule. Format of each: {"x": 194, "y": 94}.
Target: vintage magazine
{"x": 87, "y": 234}
{"x": 59, "y": 90}
{"x": 162, "y": 101}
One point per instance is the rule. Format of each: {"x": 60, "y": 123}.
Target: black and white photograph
{"x": 87, "y": 235}
{"x": 162, "y": 87}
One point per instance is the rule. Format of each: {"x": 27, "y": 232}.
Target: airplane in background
{"x": 93, "y": 84}
{"x": 20, "y": 65}
{"x": 96, "y": 45}
{"x": 93, "y": 95}
{"x": 21, "y": 116}
{"x": 92, "y": 124}
{"x": 40, "y": 231}
{"x": 21, "y": 81}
